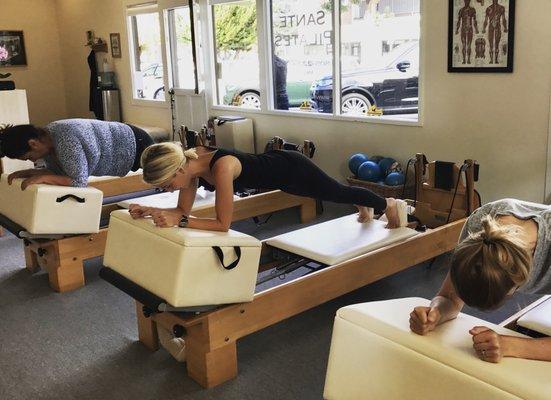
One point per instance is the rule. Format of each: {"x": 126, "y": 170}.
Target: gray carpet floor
{"x": 83, "y": 344}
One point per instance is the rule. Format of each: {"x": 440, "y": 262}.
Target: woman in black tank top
{"x": 167, "y": 166}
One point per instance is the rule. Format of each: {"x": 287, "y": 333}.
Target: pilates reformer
{"x": 319, "y": 265}
{"x": 62, "y": 255}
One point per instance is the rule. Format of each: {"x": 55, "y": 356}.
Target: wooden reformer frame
{"x": 63, "y": 258}
{"x": 211, "y": 337}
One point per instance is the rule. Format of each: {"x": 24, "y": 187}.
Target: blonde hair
{"x": 161, "y": 161}
{"x": 488, "y": 264}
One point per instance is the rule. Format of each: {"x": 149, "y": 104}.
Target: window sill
{"x": 386, "y": 120}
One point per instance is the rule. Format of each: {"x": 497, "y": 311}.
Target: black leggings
{"x": 143, "y": 140}
{"x": 304, "y": 178}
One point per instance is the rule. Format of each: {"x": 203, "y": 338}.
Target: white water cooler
{"x": 234, "y": 133}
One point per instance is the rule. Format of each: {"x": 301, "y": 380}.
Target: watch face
{"x": 183, "y": 222}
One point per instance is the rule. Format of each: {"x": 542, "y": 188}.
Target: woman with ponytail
{"x": 167, "y": 166}
{"x": 504, "y": 247}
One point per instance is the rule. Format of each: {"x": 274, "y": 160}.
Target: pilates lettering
{"x": 286, "y": 24}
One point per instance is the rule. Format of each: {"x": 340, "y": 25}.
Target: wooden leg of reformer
{"x": 31, "y": 259}
{"x": 66, "y": 276}
{"x": 211, "y": 368}
{"x": 308, "y": 210}
{"x": 147, "y": 329}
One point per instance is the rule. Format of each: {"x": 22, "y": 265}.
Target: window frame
{"x": 265, "y": 46}
{"x": 171, "y": 45}
{"x": 131, "y": 9}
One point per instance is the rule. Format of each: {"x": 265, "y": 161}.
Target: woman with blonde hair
{"x": 167, "y": 166}
{"x": 504, "y": 247}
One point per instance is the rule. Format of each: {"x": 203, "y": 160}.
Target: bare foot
{"x": 365, "y": 214}
{"x": 392, "y": 214}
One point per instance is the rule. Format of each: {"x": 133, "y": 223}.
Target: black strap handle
{"x": 70, "y": 196}
{"x": 220, "y": 255}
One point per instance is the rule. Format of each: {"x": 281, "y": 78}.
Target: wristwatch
{"x": 184, "y": 221}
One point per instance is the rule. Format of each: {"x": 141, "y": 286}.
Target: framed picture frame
{"x": 481, "y": 35}
{"x": 12, "y": 49}
{"x": 115, "y": 39}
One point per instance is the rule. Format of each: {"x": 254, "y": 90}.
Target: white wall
{"x": 501, "y": 120}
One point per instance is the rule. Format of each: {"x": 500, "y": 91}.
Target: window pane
{"x": 237, "y": 69}
{"x": 148, "y": 60}
{"x": 181, "y": 48}
{"x": 303, "y": 54}
{"x": 380, "y": 58}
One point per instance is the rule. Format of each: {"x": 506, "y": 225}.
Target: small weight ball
{"x": 355, "y": 161}
{"x": 395, "y": 179}
{"x": 385, "y": 164}
{"x": 369, "y": 171}
{"x": 376, "y": 159}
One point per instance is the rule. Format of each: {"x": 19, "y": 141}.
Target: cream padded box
{"x": 180, "y": 265}
{"x": 47, "y": 209}
{"x": 374, "y": 355}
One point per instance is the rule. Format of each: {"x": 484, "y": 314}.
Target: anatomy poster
{"x": 481, "y": 34}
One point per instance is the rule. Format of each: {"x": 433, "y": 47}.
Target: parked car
{"x": 392, "y": 86}
{"x": 248, "y": 96}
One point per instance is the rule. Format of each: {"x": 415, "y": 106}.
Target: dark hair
{"x": 487, "y": 265}
{"x": 14, "y": 140}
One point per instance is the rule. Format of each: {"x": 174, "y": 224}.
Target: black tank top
{"x": 269, "y": 170}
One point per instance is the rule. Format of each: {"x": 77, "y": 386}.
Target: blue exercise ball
{"x": 385, "y": 164}
{"x": 376, "y": 159}
{"x": 369, "y": 171}
{"x": 355, "y": 161}
{"x": 395, "y": 179}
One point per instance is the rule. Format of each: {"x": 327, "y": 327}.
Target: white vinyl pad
{"x": 48, "y": 209}
{"x": 340, "y": 239}
{"x": 375, "y": 355}
{"x": 180, "y": 265}
{"x": 538, "y": 319}
{"x": 169, "y": 200}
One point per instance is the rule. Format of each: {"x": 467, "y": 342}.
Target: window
{"x": 236, "y": 54}
{"x": 372, "y": 71}
{"x": 184, "y": 61}
{"x": 381, "y": 75}
{"x": 302, "y": 43}
{"x": 147, "y": 60}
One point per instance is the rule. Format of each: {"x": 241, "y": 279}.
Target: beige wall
{"x": 42, "y": 78}
{"x": 103, "y": 17}
{"x": 501, "y": 120}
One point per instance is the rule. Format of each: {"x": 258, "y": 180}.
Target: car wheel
{"x": 159, "y": 92}
{"x": 250, "y": 100}
{"x": 355, "y": 104}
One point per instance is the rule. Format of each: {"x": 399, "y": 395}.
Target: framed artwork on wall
{"x": 115, "y": 39}
{"x": 481, "y": 35}
{"x": 12, "y": 49}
